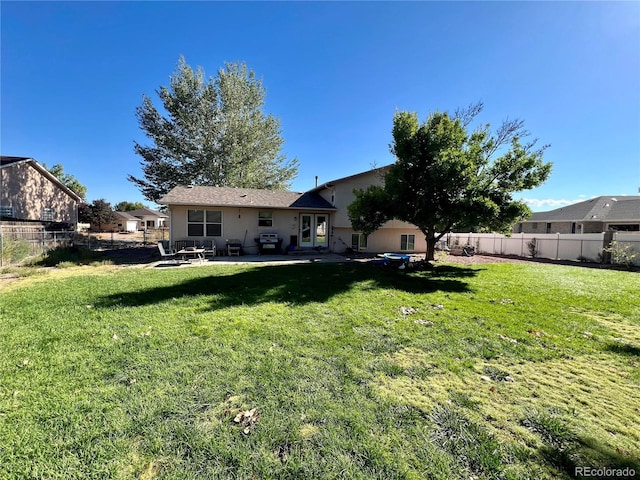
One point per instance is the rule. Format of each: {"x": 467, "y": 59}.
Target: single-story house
{"x": 29, "y": 192}
{"x": 149, "y": 219}
{"x": 599, "y": 214}
{"x": 316, "y": 219}
{"x": 126, "y": 222}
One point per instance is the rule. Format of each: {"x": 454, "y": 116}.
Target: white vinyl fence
{"x": 557, "y": 246}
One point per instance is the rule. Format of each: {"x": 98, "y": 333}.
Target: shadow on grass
{"x": 623, "y": 349}
{"x": 574, "y": 453}
{"x": 587, "y": 453}
{"x": 295, "y": 284}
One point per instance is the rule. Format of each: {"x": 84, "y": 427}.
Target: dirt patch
{"x": 479, "y": 259}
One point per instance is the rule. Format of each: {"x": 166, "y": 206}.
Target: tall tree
{"x": 446, "y": 178}
{"x": 128, "y": 206}
{"x": 215, "y": 133}
{"x": 97, "y": 213}
{"x": 69, "y": 180}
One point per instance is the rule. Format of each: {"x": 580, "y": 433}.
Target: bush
{"x": 622, "y": 254}
{"x": 14, "y": 251}
{"x": 67, "y": 256}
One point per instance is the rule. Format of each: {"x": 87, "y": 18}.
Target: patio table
{"x": 198, "y": 253}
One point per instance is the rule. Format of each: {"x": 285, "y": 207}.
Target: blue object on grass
{"x": 397, "y": 257}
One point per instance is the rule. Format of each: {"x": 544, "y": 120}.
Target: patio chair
{"x": 234, "y": 246}
{"x": 209, "y": 248}
{"x": 182, "y": 244}
{"x": 167, "y": 255}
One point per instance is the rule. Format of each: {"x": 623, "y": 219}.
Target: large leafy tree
{"x": 447, "y": 178}
{"x": 126, "y": 206}
{"x": 69, "y": 180}
{"x": 97, "y": 213}
{"x": 214, "y": 133}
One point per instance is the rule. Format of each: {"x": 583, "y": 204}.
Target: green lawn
{"x": 489, "y": 371}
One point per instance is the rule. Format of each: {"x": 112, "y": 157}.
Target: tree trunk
{"x": 431, "y": 245}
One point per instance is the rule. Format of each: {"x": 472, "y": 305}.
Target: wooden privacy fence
{"x": 556, "y": 246}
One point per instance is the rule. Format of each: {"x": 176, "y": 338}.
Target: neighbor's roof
{"x": 144, "y": 212}
{"x": 126, "y": 216}
{"x": 244, "y": 197}
{"x": 598, "y": 209}
{"x": 6, "y": 161}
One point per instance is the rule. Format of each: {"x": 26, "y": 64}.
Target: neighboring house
{"x": 316, "y": 219}
{"x": 125, "y": 222}
{"x": 29, "y": 192}
{"x": 596, "y": 215}
{"x": 149, "y": 219}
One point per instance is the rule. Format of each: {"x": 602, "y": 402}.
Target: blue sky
{"x": 72, "y": 74}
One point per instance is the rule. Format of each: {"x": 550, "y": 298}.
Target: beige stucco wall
{"x": 381, "y": 241}
{"x": 29, "y": 193}
{"x": 556, "y": 227}
{"x": 237, "y": 223}
{"x": 562, "y": 227}
{"x": 343, "y": 196}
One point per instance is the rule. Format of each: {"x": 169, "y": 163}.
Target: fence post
{"x": 557, "y": 246}
{"x": 607, "y": 238}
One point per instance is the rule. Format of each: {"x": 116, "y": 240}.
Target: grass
{"x": 493, "y": 371}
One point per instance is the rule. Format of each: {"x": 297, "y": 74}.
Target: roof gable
{"x": 6, "y": 162}
{"x": 381, "y": 170}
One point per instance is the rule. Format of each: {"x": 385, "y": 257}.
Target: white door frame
{"x": 314, "y": 230}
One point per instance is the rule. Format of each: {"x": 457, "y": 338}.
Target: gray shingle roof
{"x": 5, "y": 160}
{"x": 141, "y": 212}
{"x": 599, "y": 209}
{"x": 243, "y": 197}
{"x": 126, "y": 216}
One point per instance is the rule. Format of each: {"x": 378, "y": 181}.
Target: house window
{"x": 204, "y": 223}
{"x": 265, "y": 219}
{"x": 151, "y": 224}
{"x": 47, "y": 215}
{"x": 6, "y": 211}
{"x": 625, "y": 227}
{"x": 358, "y": 241}
{"x": 407, "y": 242}
{"x": 534, "y": 225}
{"x": 548, "y": 228}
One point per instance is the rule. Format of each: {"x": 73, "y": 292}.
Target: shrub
{"x": 14, "y": 251}
{"x": 622, "y": 254}
{"x": 532, "y": 246}
{"x": 68, "y": 256}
